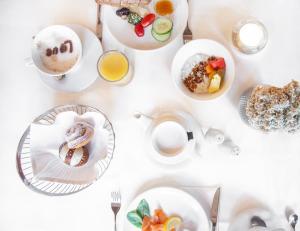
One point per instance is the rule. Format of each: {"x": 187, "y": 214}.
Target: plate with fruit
{"x": 203, "y": 69}
{"x": 165, "y": 209}
{"x": 147, "y": 27}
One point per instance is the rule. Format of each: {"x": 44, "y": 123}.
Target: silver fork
{"x": 99, "y": 23}
{"x": 187, "y": 34}
{"x": 115, "y": 204}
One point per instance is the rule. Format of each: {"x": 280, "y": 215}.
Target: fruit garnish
{"x": 209, "y": 69}
{"x": 215, "y": 83}
{"x": 157, "y": 227}
{"x": 146, "y": 226}
{"x": 139, "y": 30}
{"x": 218, "y": 63}
{"x": 172, "y": 224}
{"x": 212, "y": 74}
{"x": 148, "y": 20}
{"x": 161, "y": 216}
{"x": 221, "y": 72}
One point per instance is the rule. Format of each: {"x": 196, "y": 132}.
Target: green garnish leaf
{"x": 143, "y": 209}
{"x": 135, "y": 219}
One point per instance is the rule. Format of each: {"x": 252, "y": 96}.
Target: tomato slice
{"x": 148, "y": 20}
{"x": 139, "y": 30}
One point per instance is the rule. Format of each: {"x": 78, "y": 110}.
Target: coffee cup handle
{"x": 28, "y": 62}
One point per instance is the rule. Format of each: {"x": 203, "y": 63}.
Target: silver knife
{"x": 215, "y": 209}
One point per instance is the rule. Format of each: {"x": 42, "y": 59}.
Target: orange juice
{"x": 164, "y": 7}
{"x": 113, "y": 66}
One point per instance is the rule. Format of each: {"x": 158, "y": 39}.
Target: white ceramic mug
{"x": 50, "y": 37}
{"x": 171, "y": 137}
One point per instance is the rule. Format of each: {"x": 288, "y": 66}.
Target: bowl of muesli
{"x": 203, "y": 69}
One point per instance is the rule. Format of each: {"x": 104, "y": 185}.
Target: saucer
{"x": 86, "y": 72}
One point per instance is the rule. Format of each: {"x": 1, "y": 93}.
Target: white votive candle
{"x": 249, "y": 36}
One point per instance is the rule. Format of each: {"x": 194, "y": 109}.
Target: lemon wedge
{"x": 215, "y": 83}
{"x": 172, "y": 224}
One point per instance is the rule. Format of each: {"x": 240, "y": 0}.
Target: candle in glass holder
{"x": 250, "y": 36}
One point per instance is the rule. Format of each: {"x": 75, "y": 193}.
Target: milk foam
{"x": 60, "y": 62}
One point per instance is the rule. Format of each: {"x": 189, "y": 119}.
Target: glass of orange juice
{"x": 114, "y": 67}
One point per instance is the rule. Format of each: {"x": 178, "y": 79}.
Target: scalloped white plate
{"x": 123, "y": 32}
{"x": 174, "y": 202}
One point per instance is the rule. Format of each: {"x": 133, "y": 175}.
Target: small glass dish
{"x": 249, "y": 36}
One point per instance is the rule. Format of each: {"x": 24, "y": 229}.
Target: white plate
{"x": 124, "y": 32}
{"x": 173, "y": 202}
{"x": 207, "y": 47}
{"x": 86, "y": 72}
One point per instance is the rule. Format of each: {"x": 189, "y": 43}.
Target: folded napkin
{"x": 45, "y": 141}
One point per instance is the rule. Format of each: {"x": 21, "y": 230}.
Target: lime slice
{"x": 172, "y": 224}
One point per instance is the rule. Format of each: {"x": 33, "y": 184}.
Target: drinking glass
{"x": 114, "y": 67}
{"x": 249, "y": 36}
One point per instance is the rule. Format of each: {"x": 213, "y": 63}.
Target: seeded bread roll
{"x": 73, "y": 157}
{"x": 79, "y": 135}
{"x": 271, "y": 108}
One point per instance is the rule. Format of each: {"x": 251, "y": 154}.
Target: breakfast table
{"x": 265, "y": 173}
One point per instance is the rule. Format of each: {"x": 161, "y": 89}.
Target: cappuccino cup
{"x": 56, "y": 51}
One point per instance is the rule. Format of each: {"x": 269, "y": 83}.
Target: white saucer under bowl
{"x": 174, "y": 202}
{"x": 124, "y": 33}
{"x": 86, "y": 72}
{"x": 206, "y": 47}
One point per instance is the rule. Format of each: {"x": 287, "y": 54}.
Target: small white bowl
{"x": 54, "y": 35}
{"x": 206, "y": 47}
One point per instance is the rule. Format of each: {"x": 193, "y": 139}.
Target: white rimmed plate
{"x": 174, "y": 202}
{"x": 206, "y": 47}
{"x": 86, "y": 73}
{"x": 124, "y": 33}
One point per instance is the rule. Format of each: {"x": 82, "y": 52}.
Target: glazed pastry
{"x": 79, "y": 135}
{"x": 73, "y": 157}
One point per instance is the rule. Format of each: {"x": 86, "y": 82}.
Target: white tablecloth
{"x": 266, "y": 172}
